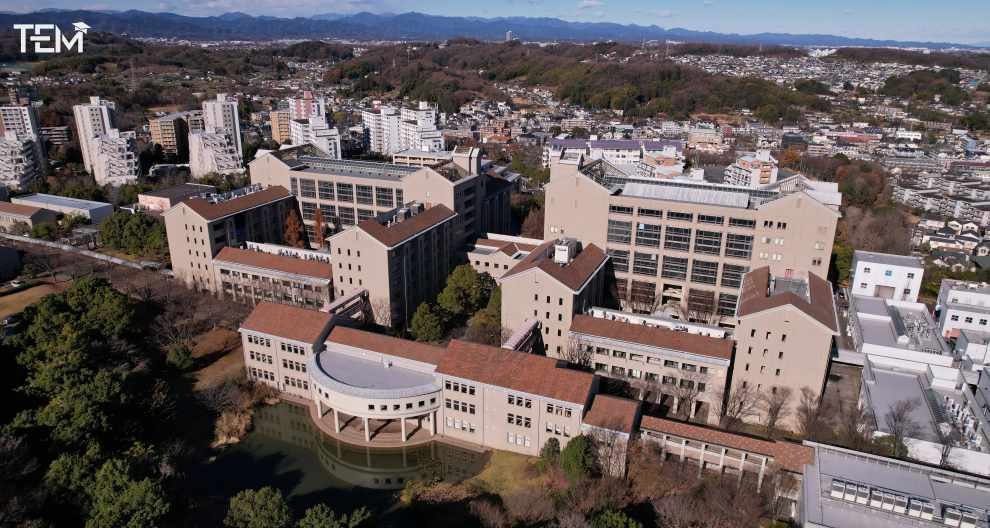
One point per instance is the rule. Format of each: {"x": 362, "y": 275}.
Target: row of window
{"x": 293, "y": 365}
{"x": 459, "y": 406}
{"x": 968, "y": 319}
{"x": 518, "y": 439}
{"x": 263, "y": 358}
{"x": 669, "y": 363}
{"x": 294, "y": 349}
{"x": 258, "y": 340}
{"x": 459, "y": 387}
{"x": 297, "y": 383}
{"x": 519, "y": 401}
{"x": 558, "y": 410}
{"x": 684, "y": 217}
{"x": 346, "y": 192}
{"x": 622, "y": 372}
{"x": 558, "y": 429}
{"x": 520, "y": 420}
{"x": 679, "y": 239}
{"x": 397, "y": 407}
{"x": 463, "y": 425}
{"x": 702, "y": 272}
{"x": 643, "y": 296}
{"x": 260, "y": 374}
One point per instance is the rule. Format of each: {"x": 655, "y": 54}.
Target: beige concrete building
{"x": 249, "y": 276}
{"x": 13, "y": 215}
{"x": 401, "y": 258}
{"x": 685, "y": 373}
{"x": 279, "y": 341}
{"x": 171, "y": 132}
{"x": 198, "y": 228}
{"x": 281, "y": 132}
{"x": 683, "y": 244}
{"x": 161, "y": 200}
{"x": 784, "y": 335}
{"x": 547, "y": 287}
{"x": 346, "y": 192}
{"x": 496, "y": 254}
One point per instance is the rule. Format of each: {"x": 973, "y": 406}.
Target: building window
{"x": 727, "y": 304}
{"x": 742, "y": 222}
{"x": 618, "y": 209}
{"x": 364, "y": 195}
{"x": 620, "y": 260}
{"x": 708, "y": 242}
{"x": 307, "y": 188}
{"x": 704, "y": 272}
{"x": 732, "y": 275}
{"x": 655, "y": 213}
{"x": 645, "y": 264}
{"x": 345, "y": 192}
{"x": 677, "y": 238}
{"x": 738, "y": 246}
{"x": 648, "y": 235}
{"x": 384, "y": 197}
{"x": 326, "y": 190}
{"x": 674, "y": 268}
{"x": 619, "y": 232}
{"x": 681, "y": 217}
{"x": 308, "y": 210}
{"x": 643, "y": 295}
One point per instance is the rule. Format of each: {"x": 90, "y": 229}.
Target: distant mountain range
{"x": 413, "y": 26}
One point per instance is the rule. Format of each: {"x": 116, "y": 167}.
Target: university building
{"x": 250, "y": 276}
{"x": 684, "y": 244}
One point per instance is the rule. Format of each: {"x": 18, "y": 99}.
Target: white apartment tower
{"x": 752, "y": 170}
{"x": 220, "y": 116}
{"x": 307, "y": 106}
{"x": 19, "y": 164}
{"x": 114, "y": 160}
{"x": 316, "y": 131}
{"x": 391, "y": 130}
{"x": 212, "y": 152}
{"x": 92, "y": 120}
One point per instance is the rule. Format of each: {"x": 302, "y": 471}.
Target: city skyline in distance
{"x": 882, "y": 20}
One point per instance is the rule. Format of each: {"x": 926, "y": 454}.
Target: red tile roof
{"x": 398, "y": 232}
{"x": 215, "y": 211}
{"x": 754, "y": 297}
{"x": 516, "y": 371}
{"x": 574, "y": 275}
{"x": 286, "y": 321}
{"x": 789, "y": 455}
{"x": 651, "y": 336}
{"x": 284, "y": 264}
{"x": 18, "y": 209}
{"x": 613, "y": 412}
{"x": 394, "y": 346}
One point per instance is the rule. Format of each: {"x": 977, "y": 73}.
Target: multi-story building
{"x": 557, "y": 280}
{"x": 784, "y": 333}
{"x": 20, "y": 166}
{"x": 198, "y": 228}
{"x": 753, "y": 170}
{"x": 21, "y": 120}
{"x": 899, "y": 331}
{"x": 281, "y": 129}
{"x": 221, "y": 116}
{"x": 884, "y": 275}
{"x": 279, "y": 341}
{"x": 114, "y": 160}
{"x": 160, "y": 200}
{"x": 401, "y": 258}
{"x": 307, "y": 106}
{"x": 685, "y": 244}
{"x": 962, "y": 305}
{"x": 56, "y": 135}
{"x": 93, "y": 120}
{"x": 213, "y": 152}
{"x": 317, "y": 132}
{"x": 843, "y": 488}
{"x": 346, "y": 192}
{"x": 250, "y": 276}
{"x": 686, "y": 373}
{"x": 392, "y": 129}
{"x": 171, "y": 132}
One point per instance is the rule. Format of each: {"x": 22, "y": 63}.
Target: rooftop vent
{"x": 564, "y": 251}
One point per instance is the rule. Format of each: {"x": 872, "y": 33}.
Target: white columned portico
{"x": 367, "y": 431}
{"x": 336, "y": 421}
{"x": 433, "y": 423}
{"x": 403, "y": 422}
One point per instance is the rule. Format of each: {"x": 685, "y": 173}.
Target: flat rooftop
{"x": 888, "y": 387}
{"x": 903, "y": 325}
{"x": 64, "y": 202}
{"x": 889, "y": 259}
{"x": 369, "y": 378}
{"x": 352, "y": 168}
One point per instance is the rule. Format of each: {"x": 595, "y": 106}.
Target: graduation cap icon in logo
{"x": 81, "y": 27}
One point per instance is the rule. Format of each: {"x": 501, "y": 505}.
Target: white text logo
{"x": 48, "y": 38}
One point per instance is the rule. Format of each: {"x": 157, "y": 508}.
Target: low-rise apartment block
{"x": 199, "y": 227}
{"x": 245, "y": 275}
{"x": 401, "y": 258}
{"x": 549, "y": 286}
{"x": 686, "y": 373}
{"x": 896, "y": 277}
{"x": 684, "y": 245}
{"x": 13, "y": 216}
{"x": 784, "y": 337}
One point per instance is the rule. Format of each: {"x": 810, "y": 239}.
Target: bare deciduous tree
{"x": 901, "y": 425}
{"x": 854, "y": 428}
{"x": 578, "y": 352}
{"x": 687, "y": 390}
{"x": 810, "y": 415}
{"x": 741, "y": 405}
{"x": 775, "y": 407}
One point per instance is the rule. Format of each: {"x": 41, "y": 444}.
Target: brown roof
{"x": 754, "y": 297}
{"x": 574, "y": 275}
{"x": 398, "y": 232}
{"x": 789, "y": 455}
{"x": 214, "y": 211}
{"x": 258, "y": 259}
{"x": 515, "y": 371}
{"x": 394, "y": 346}
{"x": 286, "y": 321}
{"x": 613, "y": 412}
{"x": 18, "y": 209}
{"x": 508, "y": 247}
{"x": 651, "y": 336}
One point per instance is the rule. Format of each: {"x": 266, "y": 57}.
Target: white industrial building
{"x": 962, "y": 305}
{"x": 896, "y": 277}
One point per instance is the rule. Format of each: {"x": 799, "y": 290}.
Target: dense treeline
{"x": 582, "y": 75}
{"x": 976, "y": 61}
{"x": 735, "y": 50}
{"x": 317, "y": 50}
{"x": 138, "y": 234}
{"x": 925, "y": 85}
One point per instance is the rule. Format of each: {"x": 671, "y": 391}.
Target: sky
{"x": 964, "y": 21}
